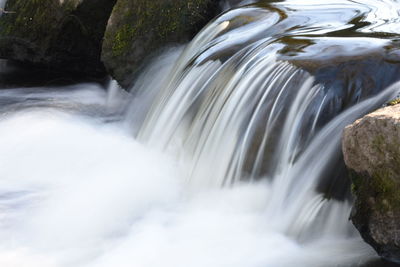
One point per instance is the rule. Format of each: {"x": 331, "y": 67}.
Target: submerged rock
{"x": 371, "y": 149}
{"x": 60, "y": 34}
{"x": 138, "y": 28}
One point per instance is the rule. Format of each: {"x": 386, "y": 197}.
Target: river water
{"x": 218, "y": 156}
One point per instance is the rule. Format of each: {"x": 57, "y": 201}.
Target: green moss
{"x": 386, "y": 190}
{"x": 122, "y": 39}
{"x": 383, "y": 184}
{"x": 383, "y": 148}
{"x": 394, "y": 102}
{"x": 139, "y": 28}
{"x": 356, "y": 182}
{"x": 33, "y": 20}
{"x": 154, "y": 20}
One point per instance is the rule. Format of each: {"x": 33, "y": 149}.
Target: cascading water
{"x": 233, "y": 135}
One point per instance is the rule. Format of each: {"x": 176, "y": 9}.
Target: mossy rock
{"x": 139, "y": 28}
{"x": 376, "y": 211}
{"x": 371, "y": 148}
{"x": 65, "y": 35}
{"x": 393, "y": 102}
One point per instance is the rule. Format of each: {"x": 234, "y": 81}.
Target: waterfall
{"x": 252, "y": 116}
{"x": 90, "y": 195}
{"x": 210, "y": 123}
{"x": 2, "y": 4}
{"x": 217, "y": 156}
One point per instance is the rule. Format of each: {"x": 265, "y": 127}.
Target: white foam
{"x": 78, "y": 192}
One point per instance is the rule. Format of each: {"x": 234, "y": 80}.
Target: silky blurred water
{"x": 77, "y": 189}
{"x": 216, "y": 155}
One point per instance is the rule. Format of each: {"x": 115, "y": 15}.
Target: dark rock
{"x": 378, "y": 263}
{"x": 16, "y": 74}
{"x": 56, "y": 34}
{"x": 371, "y": 149}
{"x": 138, "y": 28}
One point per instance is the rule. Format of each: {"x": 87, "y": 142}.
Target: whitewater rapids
{"x": 79, "y": 190}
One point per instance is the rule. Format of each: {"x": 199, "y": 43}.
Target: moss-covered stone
{"x": 371, "y": 148}
{"x": 65, "y": 35}
{"x": 138, "y": 28}
{"x": 376, "y": 211}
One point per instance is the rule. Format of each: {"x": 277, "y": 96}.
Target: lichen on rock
{"x": 138, "y": 28}
{"x": 371, "y": 149}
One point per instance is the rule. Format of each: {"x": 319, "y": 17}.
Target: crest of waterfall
{"x": 232, "y": 109}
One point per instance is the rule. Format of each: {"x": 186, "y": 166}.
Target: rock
{"x": 138, "y": 28}
{"x": 57, "y": 34}
{"x": 371, "y": 149}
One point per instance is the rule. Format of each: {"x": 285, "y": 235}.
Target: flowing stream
{"x": 226, "y": 152}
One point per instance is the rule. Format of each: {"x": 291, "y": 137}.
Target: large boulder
{"x": 58, "y": 34}
{"x": 138, "y": 28}
{"x": 371, "y": 149}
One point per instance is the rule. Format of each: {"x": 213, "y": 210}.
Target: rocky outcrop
{"x": 371, "y": 149}
{"x": 58, "y": 34}
{"x": 138, "y": 28}
{"x": 68, "y": 34}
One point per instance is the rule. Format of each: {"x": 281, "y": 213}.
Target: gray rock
{"x": 371, "y": 149}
